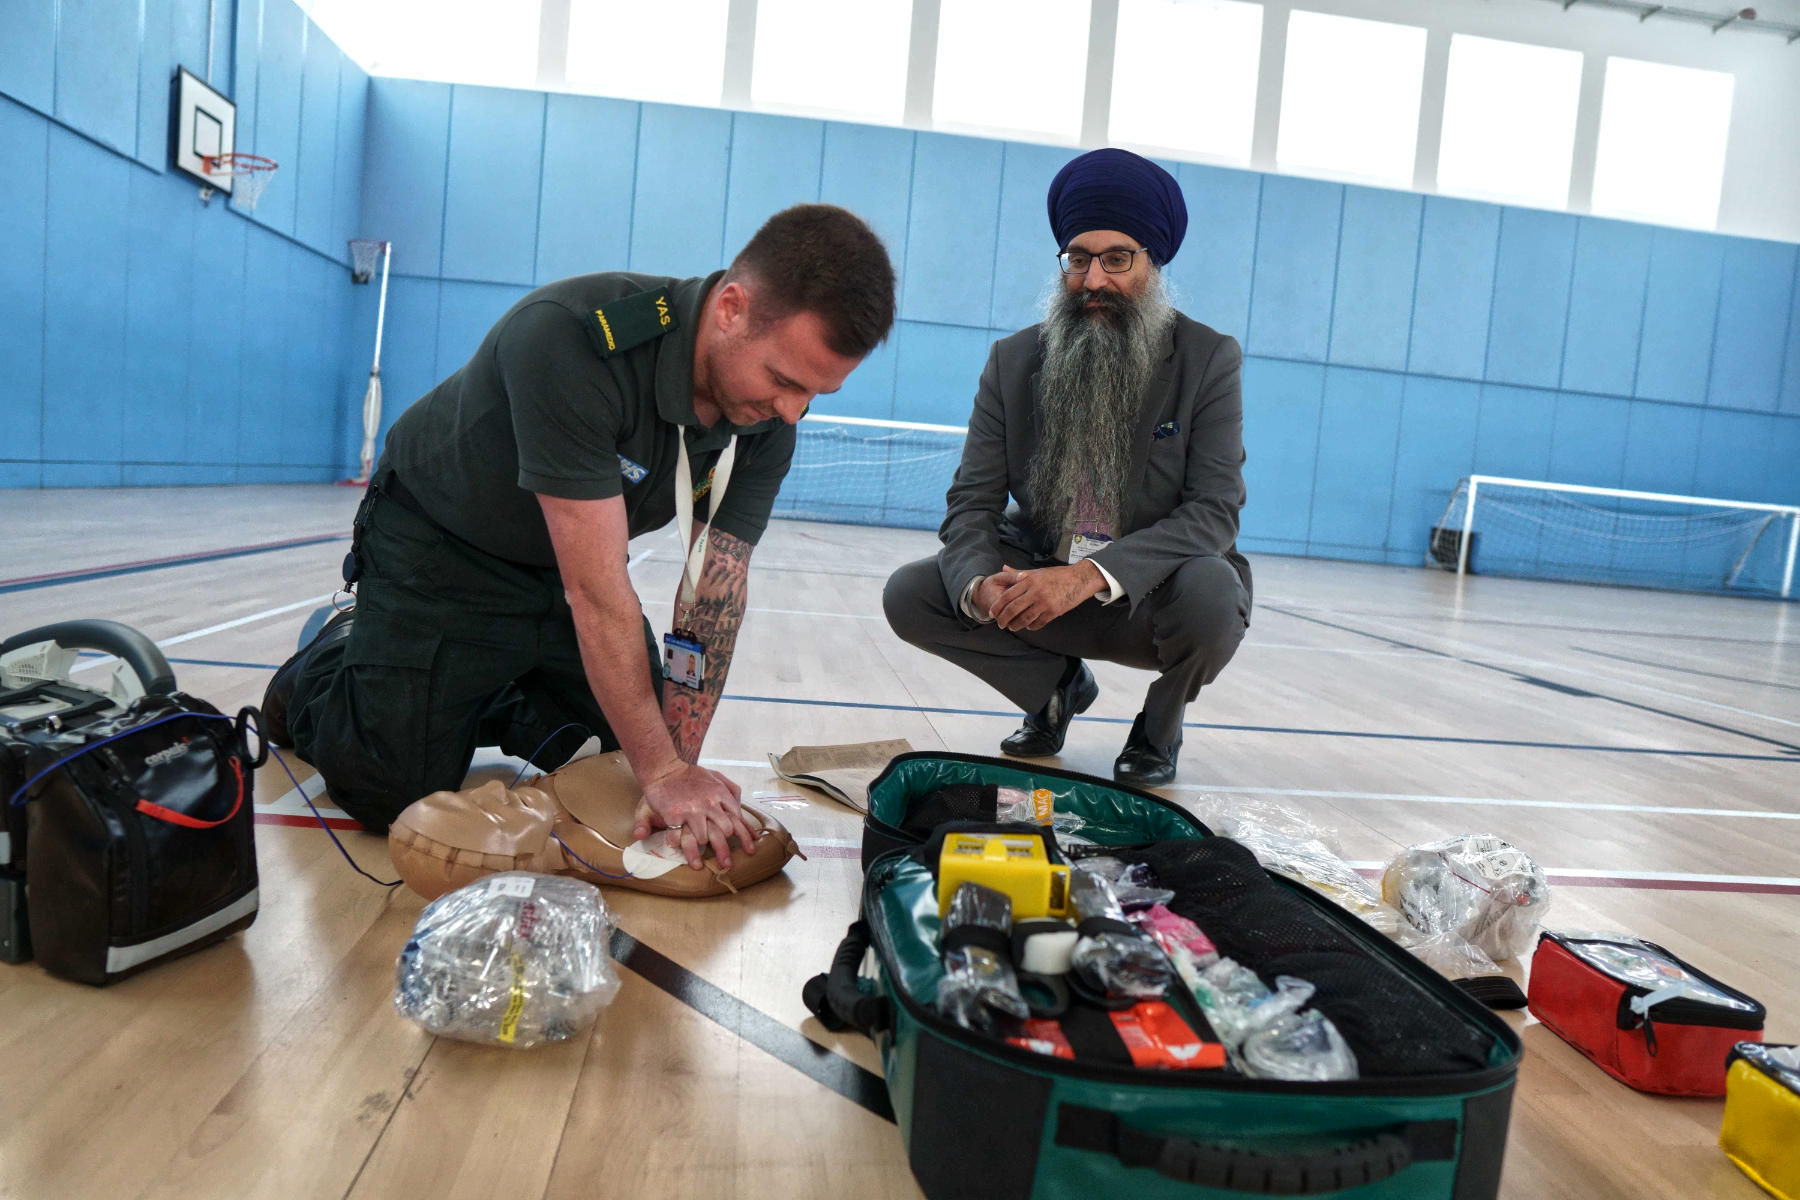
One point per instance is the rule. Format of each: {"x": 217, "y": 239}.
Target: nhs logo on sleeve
{"x": 633, "y": 472}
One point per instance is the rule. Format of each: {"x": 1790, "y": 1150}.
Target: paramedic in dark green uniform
{"x": 493, "y": 605}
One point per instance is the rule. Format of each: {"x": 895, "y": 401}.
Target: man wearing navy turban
{"x": 1116, "y": 427}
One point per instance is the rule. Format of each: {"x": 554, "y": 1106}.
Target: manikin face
{"x": 1105, "y": 290}
{"x": 775, "y": 371}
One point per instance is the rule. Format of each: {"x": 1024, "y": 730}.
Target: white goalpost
{"x": 1541, "y": 529}
{"x": 363, "y": 254}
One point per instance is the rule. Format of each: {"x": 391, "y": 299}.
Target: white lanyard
{"x": 695, "y": 545}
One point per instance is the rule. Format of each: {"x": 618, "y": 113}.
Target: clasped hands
{"x": 1031, "y": 599}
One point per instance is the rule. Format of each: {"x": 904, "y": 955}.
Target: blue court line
{"x": 186, "y": 560}
{"x": 200, "y": 662}
{"x": 1665, "y": 666}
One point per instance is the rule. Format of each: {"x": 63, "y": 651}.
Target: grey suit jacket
{"x": 1190, "y": 457}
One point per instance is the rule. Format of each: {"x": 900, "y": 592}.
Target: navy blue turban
{"x": 1116, "y": 189}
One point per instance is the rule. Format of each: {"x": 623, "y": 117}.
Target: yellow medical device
{"x": 1015, "y": 864}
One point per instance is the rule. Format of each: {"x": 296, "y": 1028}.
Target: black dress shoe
{"x": 281, "y": 687}
{"x": 1043, "y": 731}
{"x": 1143, "y": 763}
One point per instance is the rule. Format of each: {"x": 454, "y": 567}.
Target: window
{"x": 462, "y": 41}
{"x": 1509, "y": 121}
{"x": 671, "y": 52}
{"x": 1662, "y": 143}
{"x": 1350, "y": 98}
{"x": 1012, "y": 64}
{"x": 1184, "y": 76}
{"x": 829, "y": 56}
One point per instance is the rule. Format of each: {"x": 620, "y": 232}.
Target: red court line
{"x": 172, "y": 558}
{"x": 306, "y": 822}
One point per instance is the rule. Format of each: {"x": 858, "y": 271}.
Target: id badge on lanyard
{"x": 684, "y": 654}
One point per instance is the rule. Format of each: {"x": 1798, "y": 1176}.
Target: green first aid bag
{"x": 985, "y": 1120}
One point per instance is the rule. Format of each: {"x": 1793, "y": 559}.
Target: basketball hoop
{"x": 245, "y": 176}
{"x": 365, "y": 253}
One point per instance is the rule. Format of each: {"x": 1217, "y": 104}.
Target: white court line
{"x": 1571, "y": 805}
{"x": 219, "y": 628}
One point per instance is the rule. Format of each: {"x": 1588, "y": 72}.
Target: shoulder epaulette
{"x": 630, "y": 321}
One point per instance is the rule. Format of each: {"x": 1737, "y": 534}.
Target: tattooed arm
{"x": 713, "y": 618}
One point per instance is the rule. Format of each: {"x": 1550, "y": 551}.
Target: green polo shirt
{"x": 546, "y": 407}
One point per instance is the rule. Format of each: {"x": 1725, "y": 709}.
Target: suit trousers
{"x": 1186, "y": 629}
{"x": 451, "y": 648}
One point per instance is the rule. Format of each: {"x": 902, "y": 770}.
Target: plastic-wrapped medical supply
{"x": 1113, "y": 959}
{"x": 1485, "y": 889}
{"x": 1133, "y": 884}
{"x": 1289, "y": 844}
{"x": 1271, "y": 1035}
{"x": 978, "y": 989}
{"x": 515, "y": 959}
{"x": 1037, "y": 806}
{"x": 1176, "y": 934}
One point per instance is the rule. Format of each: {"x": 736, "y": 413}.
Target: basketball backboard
{"x": 205, "y": 126}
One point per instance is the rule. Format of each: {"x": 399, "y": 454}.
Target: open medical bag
{"x": 128, "y": 835}
{"x": 984, "y": 1118}
{"x": 1640, "y": 1014}
{"x": 1761, "y": 1130}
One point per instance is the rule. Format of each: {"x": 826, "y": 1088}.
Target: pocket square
{"x": 1166, "y": 429}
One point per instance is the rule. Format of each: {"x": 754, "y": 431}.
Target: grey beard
{"x": 1090, "y": 391}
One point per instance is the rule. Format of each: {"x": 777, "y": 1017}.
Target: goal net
{"x": 1542, "y": 530}
{"x": 861, "y": 471}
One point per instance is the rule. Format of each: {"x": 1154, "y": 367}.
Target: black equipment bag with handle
{"x": 129, "y": 834}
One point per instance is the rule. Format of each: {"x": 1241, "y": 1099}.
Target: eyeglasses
{"x": 1113, "y": 262}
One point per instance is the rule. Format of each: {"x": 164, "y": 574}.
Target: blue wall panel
{"x": 187, "y": 48}
{"x": 1457, "y": 244}
{"x": 678, "y": 209}
{"x": 1784, "y": 462}
{"x": 1755, "y": 295}
{"x": 491, "y": 197}
{"x": 1587, "y": 444}
{"x": 159, "y": 281}
{"x": 1296, "y": 254}
{"x": 1513, "y": 438}
{"x": 347, "y": 175}
{"x": 409, "y": 348}
{"x": 869, "y": 392}
{"x": 84, "y": 321}
{"x": 275, "y": 131}
{"x": 403, "y": 192}
{"x": 314, "y": 404}
{"x": 1358, "y": 435}
{"x": 28, "y": 65}
{"x": 466, "y": 312}
{"x": 315, "y": 185}
{"x": 936, "y": 369}
{"x": 1660, "y": 444}
{"x": 1281, "y": 438}
{"x": 1371, "y": 316}
{"x": 1731, "y": 461}
{"x": 97, "y": 69}
{"x": 590, "y": 160}
{"x": 1436, "y": 448}
{"x": 1531, "y": 297}
{"x": 1212, "y": 272}
{"x": 236, "y": 65}
{"x": 868, "y": 170}
{"x": 1606, "y": 306}
{"x": 775, "y": 163}
{"x": 24, "y": 141}
{"x": 1790, "y": 374}
{"x": 949, "y": 275}
{"x": 217, "y": 371}
{"x": 1023, "y": 262}
{"x": 1680, "y": 303}
{"x": 156, "y": 68}
{"x": 262, "y": 391}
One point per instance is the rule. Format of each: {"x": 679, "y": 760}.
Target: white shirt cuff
{"x": 1113, "y": 590}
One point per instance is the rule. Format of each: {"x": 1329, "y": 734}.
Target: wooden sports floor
{"x": 1644, "y": 747}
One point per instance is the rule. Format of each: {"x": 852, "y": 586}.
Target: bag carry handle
{"x": 1304, "y": 1173}
{"x": 836, "y": 999}
{"x": 139, "y": 652}
{"x": 186, "y": 822}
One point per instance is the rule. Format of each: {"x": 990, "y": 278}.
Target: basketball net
{"x": 249, "y": 175}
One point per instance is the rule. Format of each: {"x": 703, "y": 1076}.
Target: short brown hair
{"x": 822, "y": 259}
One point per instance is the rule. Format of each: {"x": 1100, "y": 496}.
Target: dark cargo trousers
{"x": 451, "y": 649}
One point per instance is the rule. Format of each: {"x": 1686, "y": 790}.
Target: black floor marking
{"x": 185, "y": 560}
{"x": 1564, "y": 688}
{"x": 1665, "y": 666}
{"x": 1609, "y": 631}
{"x": 1789, "y": 747}
{"x": 755, "y": 1026}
